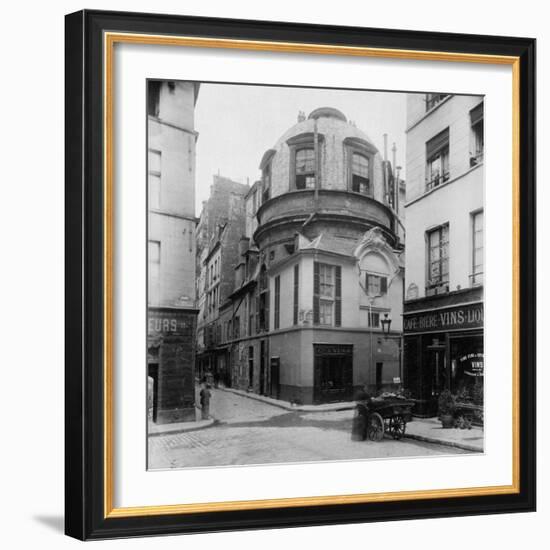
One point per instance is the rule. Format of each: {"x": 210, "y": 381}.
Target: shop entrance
{"x": 437, "y": 369}
{"x": 153, "y": 390}
{"x": 333, "y": 373}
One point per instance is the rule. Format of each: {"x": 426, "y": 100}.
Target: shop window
{"x": 433, "y": 99}
{"x": 305, "y": 168}
{"x": 476, "y": 122}
{"x": 327, "y": 294}
{"x": 477, "y": 248}
{"x": 437, "y": 160}
{"x": 360, "y": 174}
{"x": 438, "y": 260}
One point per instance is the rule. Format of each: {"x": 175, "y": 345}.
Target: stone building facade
{"x": 171, "y": 140}
{"x": 443, "y": 310}
{"x": 320, "y": 269}
{"x": 220, "y": 228}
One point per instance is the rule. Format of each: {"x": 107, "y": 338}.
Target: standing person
{"x": 205, "y": 395}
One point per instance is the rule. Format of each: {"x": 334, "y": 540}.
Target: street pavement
{"x": 252, "y": 432}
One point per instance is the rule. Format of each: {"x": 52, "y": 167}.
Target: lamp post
{"x": 386, "y": 324}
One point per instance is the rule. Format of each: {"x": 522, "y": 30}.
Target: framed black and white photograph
{"x": 300, "y": 274}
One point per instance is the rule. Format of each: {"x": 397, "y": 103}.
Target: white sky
{"x": 238, "y": 123}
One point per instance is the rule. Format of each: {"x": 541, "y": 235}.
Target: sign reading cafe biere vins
{"x": 461, "y": 317}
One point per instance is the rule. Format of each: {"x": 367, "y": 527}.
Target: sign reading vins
{"x": 461, "y": 317}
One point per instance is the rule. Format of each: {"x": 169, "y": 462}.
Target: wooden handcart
{"x": 376, "y": 416}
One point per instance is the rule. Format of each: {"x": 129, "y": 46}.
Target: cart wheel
{"x": 397, "y": 426}
{"x": 375, "y": 429}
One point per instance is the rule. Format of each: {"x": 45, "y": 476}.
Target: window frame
{"x": 320, "y": 299}
{"x": 440, "y": 152}
{"x": 300, "y": 142}
{"x": 357, "y": 146}
{"x": 474, "y": 282}
{"x": 477, "y": 134}
{"x": 443, "y": 285}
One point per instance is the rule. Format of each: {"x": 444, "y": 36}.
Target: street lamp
{"x": 386, "y": 323}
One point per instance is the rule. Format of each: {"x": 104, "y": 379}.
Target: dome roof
{"x": 330, "y": 121}
{"x": 328, "y": 112}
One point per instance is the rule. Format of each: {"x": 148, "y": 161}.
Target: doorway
{"x": 333, "y": 373}
{"x": 152, "y": 390}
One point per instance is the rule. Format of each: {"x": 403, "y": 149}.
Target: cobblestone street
{"x": 251, "y": 432}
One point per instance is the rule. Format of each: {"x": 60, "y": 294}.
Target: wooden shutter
{"x": 257, "y": 312}
{"x": 276, "y": 320}
{"x": 316, "y": 291}
{"x": 337, "y": 295}
{"x": 296, "y": 290}
{"x": 383, "y": 285}
{"x": 267, "y": 298}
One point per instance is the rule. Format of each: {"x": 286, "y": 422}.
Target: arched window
{"x": 305, "y": 168}
{"x": 360, "y": 174}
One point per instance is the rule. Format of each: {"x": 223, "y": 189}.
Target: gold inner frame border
{"x": 109, "y": 41}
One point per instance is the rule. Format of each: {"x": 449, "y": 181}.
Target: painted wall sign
{"x": 461, "y": 317}
{"x": 168, "y": 321}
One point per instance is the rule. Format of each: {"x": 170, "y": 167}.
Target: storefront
{"x": 443, "y": 348}
{"x": 171, "y": 364}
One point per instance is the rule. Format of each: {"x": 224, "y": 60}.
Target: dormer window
{"x": 359, "y": 165}
{"x": 360, "y": 174}
{"x": 305, "y": 168}
{"x": 305, "y": 161}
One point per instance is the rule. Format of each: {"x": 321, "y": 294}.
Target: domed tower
{"x": 323, "y": 175}
{"x": 325, "y": 276}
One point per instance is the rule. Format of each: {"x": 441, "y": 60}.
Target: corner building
{"x": 172, "y": 315}
{"x": 321, "y": 270}
{"x": 443, "y": 310}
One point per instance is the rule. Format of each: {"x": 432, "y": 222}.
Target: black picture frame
{"x": 84, "y": 309}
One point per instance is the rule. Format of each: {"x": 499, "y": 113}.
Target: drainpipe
{"x": 395, "y": 198}
{"x": 386, "y": 168}
{"x": 317, "y": 163}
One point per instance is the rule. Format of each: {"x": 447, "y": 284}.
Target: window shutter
{"x": 296, "y": 290}
{"x": 276, "y": 320}
{"x": 383, "y": 285}
{"x": 257, "y": 313}
{"x": 437, "y": 143}
{"x": 316, "y": 292}
{"x": 267, "y": 298}
{"x": 338, "y": 296}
